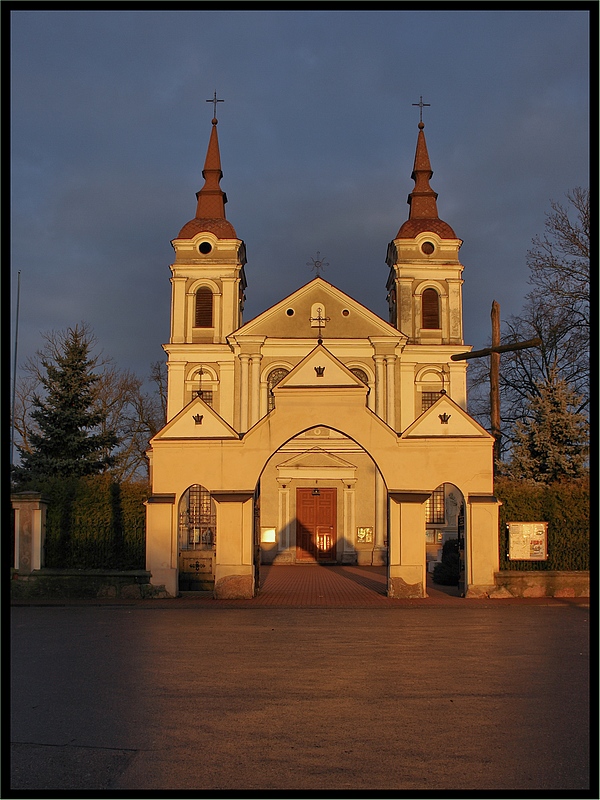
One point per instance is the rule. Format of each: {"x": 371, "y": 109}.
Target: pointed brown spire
{"x": 210, "y": 210}
{"x": 422, "y": 200}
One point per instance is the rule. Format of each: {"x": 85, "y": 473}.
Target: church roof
{"x": 423, "y": 215}
{"x": 210, "y": 209}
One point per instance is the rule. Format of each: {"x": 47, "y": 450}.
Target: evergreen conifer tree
{"x": 67, "y": 442}
{"x": 552, "y": 443}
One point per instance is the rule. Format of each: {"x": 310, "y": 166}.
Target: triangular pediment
{"x": 197, "y": 421}
{"x": 343, "y": 317}
{"x": 445, "y": 419}
{"x": 315, "y": 457}
{"x": 319, "y": 369}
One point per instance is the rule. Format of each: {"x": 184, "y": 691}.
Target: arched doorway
{"x": 196, "y": 539}
{"x": 444, "y": 539}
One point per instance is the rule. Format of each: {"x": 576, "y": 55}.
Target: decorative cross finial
{"x": 317, "y": 263}
{"x": 214, "y": 101}
{"x": 320, "y": 322}
{"x": 421, "y": 105}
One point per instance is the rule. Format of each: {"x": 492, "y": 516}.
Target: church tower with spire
{"x": 424, "y": 284}
{"x": 207, "y": 296}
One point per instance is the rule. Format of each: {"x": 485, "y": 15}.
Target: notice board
{"x": 527, "y": 541}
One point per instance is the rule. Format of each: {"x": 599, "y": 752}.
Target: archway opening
{"x": 444, "y": 540}
{"x": 322, "y": 502}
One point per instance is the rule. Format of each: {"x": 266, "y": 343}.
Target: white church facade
{"x": 317, "y": 432}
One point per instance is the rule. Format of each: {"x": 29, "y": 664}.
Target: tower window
{"x": 428, "y": 399}
{"x": 205, "y": 248}
{"x": 204, "y": 308}
{"x": 430, "y": 306}
{"x": 427, "y": 248}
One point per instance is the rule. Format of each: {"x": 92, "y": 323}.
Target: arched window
{"x": 204, "y": 308}
{"x": 430, "y": 307}
{"x": 274, "y": 377}
{"x": 361, "y": 375}
{"x": 197, "y": 519}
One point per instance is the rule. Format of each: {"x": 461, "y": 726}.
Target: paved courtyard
{"x": 191, "y": 694}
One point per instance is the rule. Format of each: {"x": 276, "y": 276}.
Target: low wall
{"x": 516, "y": 583}
{"x": 83, "y": 584}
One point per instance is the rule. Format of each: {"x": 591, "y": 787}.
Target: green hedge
{"x": 566, "y": 509}
{"x": 95, "y": 523}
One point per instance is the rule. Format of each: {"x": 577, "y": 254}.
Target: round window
{"x": 345, "y": 312}
{"x": 290, "y": 312}
{"x": 205, "y": 248}
{"x": 427, "y": 248}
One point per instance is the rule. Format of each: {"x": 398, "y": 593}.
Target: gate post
{"x": 161, "y": 542}
{"x": 234, "y": 568}
{"x": 407, "y": 575}
{"x": 483, "y": 556}
{"x": 30, "y": 530}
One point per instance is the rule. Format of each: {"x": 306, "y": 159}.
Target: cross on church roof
{"x": 317, "y": 263}
{"x": 214, "y": 101}
{"x": 421, "y": 105}
{"x": 320, "y": 322}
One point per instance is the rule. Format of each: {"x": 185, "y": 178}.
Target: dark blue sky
{"x": 110, "y": 126}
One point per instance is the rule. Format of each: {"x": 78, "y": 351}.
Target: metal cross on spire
{"x": 421, "y": 105}
{"x": 317, "y": 263}
{"x": 214, "y": 101}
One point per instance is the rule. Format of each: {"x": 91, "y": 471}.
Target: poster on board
{"x": 527, "y": 541}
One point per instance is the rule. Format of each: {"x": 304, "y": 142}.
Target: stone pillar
{"x": 175, "y": 387}
{"x": 244, "y": 359}
{"x": 30, "y": 531}
{"x": 390, "y": 365}
{"x": 255, "y": 389}
{"x": 234, "y": 568}
{"x": 227, "y": 391}
{"x": 161, "y": 542}
{"x": 481, "y": 546}
{"x": 407, "y": 575}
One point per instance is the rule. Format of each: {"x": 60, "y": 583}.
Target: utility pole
{"x": 12, "y": 430}
{"x": 494, "y": 353}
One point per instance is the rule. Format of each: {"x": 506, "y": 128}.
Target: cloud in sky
{"x": 110, "y": 124}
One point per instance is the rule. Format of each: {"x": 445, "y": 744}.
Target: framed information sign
{"x": 527, "y": 541}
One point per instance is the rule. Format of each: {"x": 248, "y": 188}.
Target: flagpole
{"x": 12, "y": 433}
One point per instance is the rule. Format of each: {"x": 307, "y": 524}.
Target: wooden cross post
{"x": 494, "y": 353}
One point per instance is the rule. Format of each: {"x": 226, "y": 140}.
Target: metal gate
{"x": 197, "y": 540}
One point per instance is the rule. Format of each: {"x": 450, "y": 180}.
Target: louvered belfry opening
{"x": 430, "y": 309}
{"x": 204, "y": 308}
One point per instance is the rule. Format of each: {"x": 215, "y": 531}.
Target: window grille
{"x": 272, "y": 381}
{"x": 434, "y": 506}
{"x": 428, "y": 399}
{"x": 204, "y": 308}
{"x": 430, "y": 306}
{"x": 206, "y": 395}
{"x": 361, "y": 375}
{"x": 197, "y": 519}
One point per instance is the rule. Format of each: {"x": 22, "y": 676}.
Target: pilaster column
{"x": 349, "y": 525}
{"x": 390, "y": 364}
{"x": 379, "y": 550}
{"x": 244, "y": 359}
{"x": 178, "y": 310}
{"x": 255, "y": 389}
{"x": 379, "y": 386}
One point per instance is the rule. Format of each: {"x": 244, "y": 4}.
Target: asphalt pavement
{"x": 166, "y": 698}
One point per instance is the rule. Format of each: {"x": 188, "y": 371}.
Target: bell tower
{"x": 207, "y": 290}
{"x": 425, "y": 284}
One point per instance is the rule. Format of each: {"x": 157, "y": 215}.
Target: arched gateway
{"x": 316, "y": 431}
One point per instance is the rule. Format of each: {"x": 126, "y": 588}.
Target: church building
{"x": 317, "y": 433}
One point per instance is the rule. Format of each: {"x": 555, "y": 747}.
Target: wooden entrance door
{"x": 316, "y": 524}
